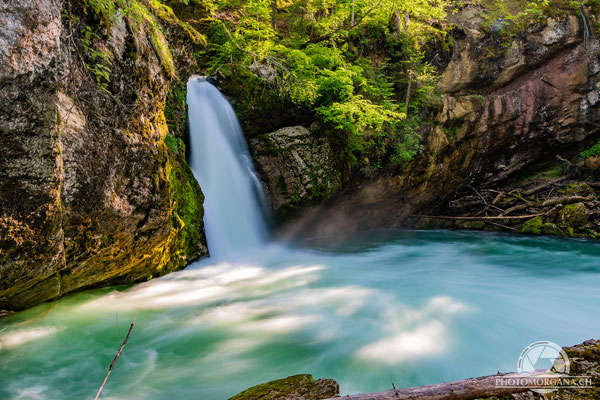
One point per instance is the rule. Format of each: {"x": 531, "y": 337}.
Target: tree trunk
{"x": 408, "y": 85}
{"x": 274, "y": 13}
{"x": 468, "y": 389}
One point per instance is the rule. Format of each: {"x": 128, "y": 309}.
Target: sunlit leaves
{"x": 313, "y": 56}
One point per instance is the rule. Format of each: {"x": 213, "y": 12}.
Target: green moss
{"x": 186, "y": 201}
{"x": 293, "y": 387}
{"x": 173, "y": 144}
{"x": 265, "y": 390}
{"x": 268, "y": 147}
{"x": 141, "y": 17}
{"x": 258, "y": 103}
{"x": 165, "y": 13}
{"x": 573, "y": 216}
{"x": 176, "y": 108}
{"x": 474, "y": 225}
{"x": 582, "y": 189}
{"x": 550, "y": 172}
{"x": 533, "y": 226}
{"x": 549, "y": 228}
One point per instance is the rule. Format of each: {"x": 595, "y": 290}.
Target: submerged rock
{"x": 297, "y": 387}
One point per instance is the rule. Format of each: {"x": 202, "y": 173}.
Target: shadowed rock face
{"x": 501, "y": 117}
{"x": 90, "y": 193}
{"x": 297, "y": 166}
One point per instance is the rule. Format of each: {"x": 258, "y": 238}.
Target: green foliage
{"x": 176, "y": 107}
{"x": 450, "y": 132}
{"x": 514, "y": 17}
{"x": 142, "y": 15}
{"x": 322, "y": 60}
{"x": 592, "y": 151}
{"x": 101, "y": 60}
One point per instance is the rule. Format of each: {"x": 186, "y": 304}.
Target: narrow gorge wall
{"x": 508, "y": 107}
{"x": 92, "y": 189}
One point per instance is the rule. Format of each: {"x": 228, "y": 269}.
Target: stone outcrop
{"x": 297, "y": 166}
{"x": 509, "y": 106}
{"x": 297, "y": 387}
{"x": 92, "y": 190}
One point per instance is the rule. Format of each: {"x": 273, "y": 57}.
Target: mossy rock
{"x": 549, "y": 228}
{"x": 579, "y": 189}
{"x": 473, "y": 225}
{"x": 187, "y": 211}
{"x": 537, "y": 226}
{"x": 573, "y": 215}
{"x": 297, "y": 387}
{"x": 533, "y": 226}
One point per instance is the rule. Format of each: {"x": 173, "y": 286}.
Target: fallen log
{"x": 543, "y": 186}
{"x": 567, "y": 200}
{"x": 479, "y": 218}
{"x": 468, "y": 389}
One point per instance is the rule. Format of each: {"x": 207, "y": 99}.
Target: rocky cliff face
{"x": 509, "y": 107}
{"x": 298, "y": 166}
{"x": 92, "y": 190}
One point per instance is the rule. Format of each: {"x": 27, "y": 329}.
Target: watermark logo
{"x": 545, "y": 356}
{"x": 543, "y": 367}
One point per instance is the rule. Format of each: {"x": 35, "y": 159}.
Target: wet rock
{"x": 574, "y": 215}
{"x": 509, "y": 107}
{"x": 91, "y": 193}
{"x": 297, "y": 387}
{"x": 297, "y": 166}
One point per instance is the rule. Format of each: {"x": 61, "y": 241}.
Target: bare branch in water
{"x": 112, "y": 364}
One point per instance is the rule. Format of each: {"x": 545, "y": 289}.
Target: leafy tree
{"x": 322, "y": 58}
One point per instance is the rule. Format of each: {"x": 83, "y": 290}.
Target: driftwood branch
{"x": 543, "y": 186}
{"x": 114, "y": 361}
{"x": 567, "y": 200}
{"x": 467, "y": 389}
{"x": 478, "y": 218}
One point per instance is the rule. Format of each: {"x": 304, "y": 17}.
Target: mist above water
{"x": 402, "y": 308}
{"x": 409, "y": 308}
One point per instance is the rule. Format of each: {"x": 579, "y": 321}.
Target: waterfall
{"x": 586, "y": 29}
{"x": 234, "y": 219}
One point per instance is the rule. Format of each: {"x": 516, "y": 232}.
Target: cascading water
{"x": 412, "y": 308}
{"x": 233, "y": 214}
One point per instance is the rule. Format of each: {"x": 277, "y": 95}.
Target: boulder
{"x": 297, "y": 387}
{"x": 297, "y": 166}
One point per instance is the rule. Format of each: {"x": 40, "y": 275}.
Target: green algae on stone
{"x": 291, "y": 388}
{"x": 186, "y": 200}
{"x": 533, "y": 226}
{"x": 573, "y": 215}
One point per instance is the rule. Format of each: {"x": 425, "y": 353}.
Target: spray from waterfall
{"x": 234, "y": 204}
